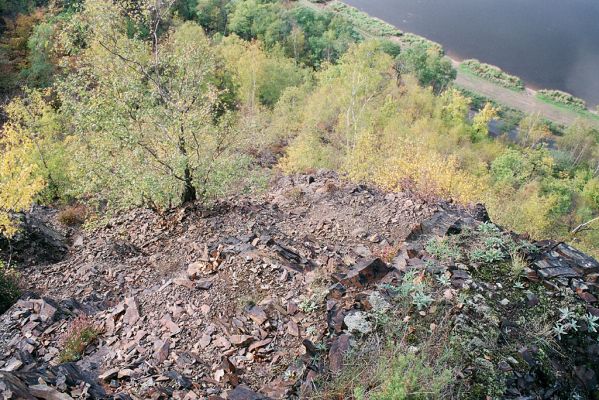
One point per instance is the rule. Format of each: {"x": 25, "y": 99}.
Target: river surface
{"x": 548, "y": 43}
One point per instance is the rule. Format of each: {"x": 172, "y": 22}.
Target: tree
{"x": 147, "y": 114}
{"x": 480, "y": 122}
{"x": 34, "y": 123}
{"x": 212, "y": 15}
{"x": 581, "y": 145}
{"x": 41, "y": 63}
{"x": 533, "y": 131}
{"x": 19, "y": 181}
{"x": 428, "y": 65}
{"x": 261, "y": 76}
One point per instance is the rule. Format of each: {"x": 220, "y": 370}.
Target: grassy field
{"x": 583, "y": 112}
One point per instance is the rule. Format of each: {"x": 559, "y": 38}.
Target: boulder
{"x": 35, "y": 243}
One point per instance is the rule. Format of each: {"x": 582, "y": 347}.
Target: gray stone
{"x": 358, "y": 322}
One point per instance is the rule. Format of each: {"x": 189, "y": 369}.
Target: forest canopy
{"x": 129, "y": 104}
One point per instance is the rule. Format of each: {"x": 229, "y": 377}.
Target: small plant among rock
{"x": 73, "y": 215}
{"x": 488, "y": 228}
{"x": 568, "y": 322}
{"x": 518, "y": 265}
{"x": 488, "y": 256}
{"x": 9, "y": 287}
{"x": 81, "y": 333}
{"x": 442, "y": 250}
{"x": 592, "y": 323}
{"x": 519, "y": 285}
{"x": 443, "y": 280}
{"x": 308, "y": 306}
{"x": 421, "y": 300}
{"x": 295, "y": 194}
{"x": 387, "y": 253}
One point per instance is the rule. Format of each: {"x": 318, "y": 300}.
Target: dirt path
{"x": 523, "y": 101}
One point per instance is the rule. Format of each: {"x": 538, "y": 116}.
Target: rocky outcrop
{"x": 36, "y": 242}
{"x": 254, "y": 298}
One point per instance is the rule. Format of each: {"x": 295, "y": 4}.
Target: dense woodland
{"x": 137, "y": 103}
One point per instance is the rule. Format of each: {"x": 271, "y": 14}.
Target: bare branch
{"x": 584, "y": 225}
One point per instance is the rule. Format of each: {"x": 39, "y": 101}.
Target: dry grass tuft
{"x": 74, "y": 215}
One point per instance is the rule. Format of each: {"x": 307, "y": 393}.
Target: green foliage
{"x": 390, "y": 47}
{"x": 9, "y": 287}
{"x": 41, "y": 64}
{"x": 409, "y": 377}
{"x": 186, "y": 9}
{"x": 264, "y": 20}
{"x": 13, "y": 48}
{"x": 14, "y": 7}
{"x": 307, "y": 35}
{"x": 493, "y": 74}
{"x": 22, "y": 165}
{"x": 580, "y": 145}
{"x": 34, "y": 121}
{"x": 212, "y": 15}
{"x": 557, "y": 96}
{"x": 260, "y": 76}
{"x": 428, "y": 65}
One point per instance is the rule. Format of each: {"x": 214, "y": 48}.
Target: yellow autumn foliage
{"x": 19, "y": 183}
{"x": 430, "y": 172}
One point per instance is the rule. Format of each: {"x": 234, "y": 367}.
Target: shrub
{"x": 428, "y": 65}
{"x": 365, "y": 22}
{"x": 557, "y": 96}
{"x": 73, "y": 215}
{"x": 385, "y": 366}
{"x": 9, "y": 287}
{"x": 80, "y": 334}
{"x": 493, "y": 74}
{"x": 410, "y": 39}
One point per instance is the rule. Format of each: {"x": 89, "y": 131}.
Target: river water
{"x": 548, "y": 43}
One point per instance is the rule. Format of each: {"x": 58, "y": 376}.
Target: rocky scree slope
{"x": 271, "y": 296}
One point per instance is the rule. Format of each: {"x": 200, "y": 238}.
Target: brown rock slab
{"x": 241, "y": 340}
{"x": 46, "y": 311}
{"x": 184, "y": 281}
{"x": 586, "y": 296}
{"x": 257, "y": 315}
{"x": 48, "y": 393}
{"x": 366, "y": 272}
{"x": 205, "y": 341}
{"x": 293, "y": 328}
{"x": 132, "y": 312}
{"x": 109, "y": 374}
{"x": 259, "y": 344}
{"x": 161, "y": 350}
{"x": 339, "y": 347}
{"x": 204, "y": 284}
{"x": 194, "y": 270}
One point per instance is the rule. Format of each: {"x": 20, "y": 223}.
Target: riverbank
{"x": 525, "y": 100}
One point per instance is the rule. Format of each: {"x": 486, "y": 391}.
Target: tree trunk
{"x": 189, "y": 191}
